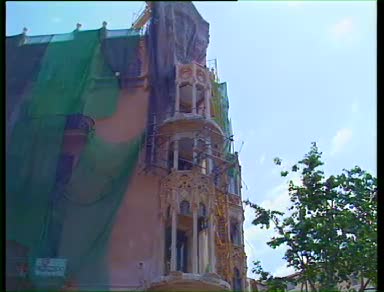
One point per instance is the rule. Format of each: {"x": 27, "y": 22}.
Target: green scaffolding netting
{"x": 74, "y": 222}
{"x": 220, "y": 107}
{"x": 88, "y": 207}
{"x": 30, "y": 174}
{"x": 102, "y": 89}
{"x": 76, "y": 78}
{"x": 63, "y": 76}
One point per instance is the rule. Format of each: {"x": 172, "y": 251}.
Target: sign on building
{"x": 50, "y": 267}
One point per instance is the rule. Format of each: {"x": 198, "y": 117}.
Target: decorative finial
{"x": 25, "y": 30}
{"x": 105, "y": 24}
{"x": 78, "y": 26}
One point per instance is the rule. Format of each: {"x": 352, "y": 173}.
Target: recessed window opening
{"x": 202, "y": 210}
{"x": 200, "y": 104}
{"x": 170, "y": 155}
{"x": 233, "y": 183}
{"x": 216, "y": 174}
{"x": 185, "y": 159}
{"x": 201, "y": 157}
{"x": 185, "y": 208}
{"x": 186, "y": 98}
{"x": 235, "y": 232}
{"x": 182, "y": 250}
{"x": 236, "y": 280}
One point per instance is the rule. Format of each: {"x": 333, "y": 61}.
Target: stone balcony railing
{"x": 178, "y": 281}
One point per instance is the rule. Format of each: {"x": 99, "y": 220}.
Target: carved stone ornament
{"x": 192, "y": 186}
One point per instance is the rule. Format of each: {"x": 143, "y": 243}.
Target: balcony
{"x": 76, "y": 132}
{"x": 193, "y": 90}
{"x": 178, "y": 281}
{"x": 189, "y": 122}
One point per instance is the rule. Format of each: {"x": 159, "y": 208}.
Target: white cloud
{"x": 262, "y": 159}
{"x": 355, "y": 107}
{"x": 343, "y": 28}
{"x": 56, "y": 19}
{"x": 340, "y": 140}
{"x": 283, "y": 271}
{"x": 279, "y": 198}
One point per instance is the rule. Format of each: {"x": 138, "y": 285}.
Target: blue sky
{"x": 297, "y": 72}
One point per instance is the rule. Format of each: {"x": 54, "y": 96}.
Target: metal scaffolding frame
{"x": 155, "y": 143}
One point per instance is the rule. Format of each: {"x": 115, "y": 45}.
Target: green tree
{"x": 274, "y": 284}
{"x": 330, "y": 229}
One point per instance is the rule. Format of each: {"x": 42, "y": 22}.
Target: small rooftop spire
{"x": 78, "y": 26}
{"x": 105, "y": 24}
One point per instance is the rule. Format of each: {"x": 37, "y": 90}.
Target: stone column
{"x": 176, "y": 154}
{"x": 194, "y": 150}
{"x": 174, "y": 239}
{"x": 207, "y": 103}
{"x": 194, "y": 97}
{"x": 241, "y": 235}
{"x": 162, "y": 244}
{"x": 194, "y": 241}
{"x": 238, "y": 184}
{"x": 209, "y": 155}
{"x": 211, "y": 244}
{"x": 165, "y": 154}
{"x": 177, "y": 99}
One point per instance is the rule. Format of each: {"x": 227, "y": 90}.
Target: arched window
{"x": 235, "y": 233}
{"x": 202, "y": 210}
{"x": 184, "y": 208}
{"x": 236, "y": 280}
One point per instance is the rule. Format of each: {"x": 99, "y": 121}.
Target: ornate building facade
{"x": 178, "y": 223}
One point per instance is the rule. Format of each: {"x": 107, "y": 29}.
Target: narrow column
{"x": 162, "y": 245}
{"x": 241, "y": 235}
{"x": 176, "y": 154}
{"x": 209, "y": 155}
{"x": 194, "y": 97}
{"x": 194, "y": 150}
{"x": 194, "y": 242}
{"x": 211, "y": 244}
{"x": 238, "y": 184}
{"x": 194, "y": 109}
{"x": 207, "y": 103}
{"x": 165, "y": 154}
{"x": 177, "y": 99}
{"x": 173, "y": 244}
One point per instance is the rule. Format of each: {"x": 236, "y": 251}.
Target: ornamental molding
{"x": 191, "y": 186}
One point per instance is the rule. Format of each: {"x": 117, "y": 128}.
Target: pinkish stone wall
{"x": 134, "y": 247}
{"x": 133, "y": 255}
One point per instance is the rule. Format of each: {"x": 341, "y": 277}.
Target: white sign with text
{"x": 50, "y": 267}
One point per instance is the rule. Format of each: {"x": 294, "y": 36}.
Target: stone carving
{"x": 234, "y": 199}
{"x": 191, "y": 186}
{"x": 239, "y": 259}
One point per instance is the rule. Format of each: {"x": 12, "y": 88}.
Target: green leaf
{"x": 277, "y": 161}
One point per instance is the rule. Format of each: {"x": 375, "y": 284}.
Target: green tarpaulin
{"x": 76, "y": 76}
{"x": 31, "y": 170}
